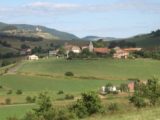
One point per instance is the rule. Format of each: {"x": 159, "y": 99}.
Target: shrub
{"x": 89, "y": 104}
{"x": 113, "y": 107}
{"x": 79, "y": 109}
{"x": 44, "y": 107}
{"x": 60, "y": 92}
{"x": 69, "y": 74}
{"x": 138, "y": 101}
{"x": 9, "y": 92}
{"x": 30, "y": 116}
{"x": 5, "y": 63}
{"x": 1, "y": 86}
{"x": 64, "y": 114}
{"x": 146, "y": 93}
{"x": 124, "y": 87}
{"x": 8, "y": 101}
{"x": 19, "y": 92}
{"x": 30, "y": 99}
{"x": 68, "y": 96}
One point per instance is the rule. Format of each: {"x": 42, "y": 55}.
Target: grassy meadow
{"x": 107, "y": 69}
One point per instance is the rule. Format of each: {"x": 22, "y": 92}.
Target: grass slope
{"x": 39, "y": 83}
{"x": 101, "y": 69}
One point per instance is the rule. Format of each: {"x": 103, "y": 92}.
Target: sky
{"x": 107, "y": 18}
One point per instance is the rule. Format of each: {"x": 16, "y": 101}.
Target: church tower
{"x": 91, "y": 46}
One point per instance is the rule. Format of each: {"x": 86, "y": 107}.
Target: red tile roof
{"x": 132, "y": 49}
{"x": 101, "y": 50}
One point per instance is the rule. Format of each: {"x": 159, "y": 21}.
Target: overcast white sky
{"x": 110, "y": 18}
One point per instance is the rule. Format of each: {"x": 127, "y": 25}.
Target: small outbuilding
{"x": 33, "y": 57}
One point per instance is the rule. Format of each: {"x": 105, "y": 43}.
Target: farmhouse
{"x": 73, "y": 48}
{"x": 120, "y": 53}
{"x": 76, "y": 49}
{"x": 53, "y": 52}
{"x": 25, "y": 51}
{"x": 33, "y": 57}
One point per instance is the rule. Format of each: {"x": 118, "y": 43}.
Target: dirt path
{"x": 14, "y": 69}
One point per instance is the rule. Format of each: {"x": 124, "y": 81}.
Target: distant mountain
{"x": 146, "y": 40}
{"x": 53, "y": 32}
{"x": 94, "y": 38}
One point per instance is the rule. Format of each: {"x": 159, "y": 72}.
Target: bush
{"x": 5, "y": 63}
{"x": 1, "y": 86}
{"x": 30, "y": 116}
{"x": 79, "y": 109}
{"x": 30, "y": 99}
{"x": 69, "y": 97}
{"x": 8, "y": 101}
{"x": 44, "y": 107}
{"x": 89, "y": 104}
{"x": 19, "y": 92}
{"x": 69, "y": 74}
{"x": 124, "y": 87}
{"x": 113, "y": 107}
{"x": 60, "y": 92}
{"x": 64, "y": 115}
{"x": 138, "y": 101}
{"x": 9, "y": 92}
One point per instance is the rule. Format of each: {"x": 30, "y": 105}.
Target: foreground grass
{"x": 101, "y": 69}
{"x": 146, "y": 114}
{"x": 13, "y": 111}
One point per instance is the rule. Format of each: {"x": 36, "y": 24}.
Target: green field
{"x": 39, "y": 83}
{"x": 107, "y": 69}
{"x": 12, "y": 111}
{"x": 33, "y": 77}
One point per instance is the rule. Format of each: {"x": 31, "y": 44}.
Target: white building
{"x": 112, "y": 89}
{"x": 33, "y": 57}
{"x": 103, "y": 90}
{"x": 76, "y": 49}
{"x": 53, "y": 52}
{"x": 38, "y": 29}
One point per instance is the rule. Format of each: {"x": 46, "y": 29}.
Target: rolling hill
{"x": 94, "y": 38}
{"x": 13, "y": 36}
{"x": 43, "y": 30}
{"x": 146, "y": 40}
